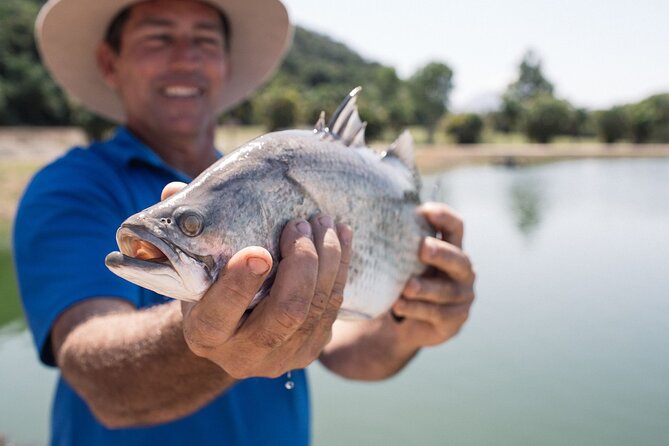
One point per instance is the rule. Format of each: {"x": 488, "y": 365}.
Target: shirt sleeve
{"x": 65, "y": 226}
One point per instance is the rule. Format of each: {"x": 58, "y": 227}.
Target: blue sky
{"x": 597, "y": 53}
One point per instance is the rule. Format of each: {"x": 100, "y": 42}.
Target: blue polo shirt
{"x": 65, "y": 226}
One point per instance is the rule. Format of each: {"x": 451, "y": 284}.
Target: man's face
{"x": 171, "y": 68}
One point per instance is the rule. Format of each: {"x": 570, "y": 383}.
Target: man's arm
{"x": 138, "y": 367}
{"x": 431, "y": 310}
{"x": 132, "y": 366}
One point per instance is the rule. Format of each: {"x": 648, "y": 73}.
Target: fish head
{"x": 178, "y": 246}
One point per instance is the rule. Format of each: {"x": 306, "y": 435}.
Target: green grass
{"x": 10, "y": 305}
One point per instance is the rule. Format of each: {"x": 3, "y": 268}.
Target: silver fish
{"x": 178, "y": 246}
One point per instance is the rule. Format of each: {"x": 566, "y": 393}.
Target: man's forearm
{"x": 134, "y": 368}
{"x": 367, "y": 350}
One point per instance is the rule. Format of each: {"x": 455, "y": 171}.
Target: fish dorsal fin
{"x": 346, "y": 124}
{"x": 403, "y": 150}
{"x": 320, "y": 124}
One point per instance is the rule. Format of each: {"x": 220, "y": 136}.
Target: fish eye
{"x": 191, "y": 223}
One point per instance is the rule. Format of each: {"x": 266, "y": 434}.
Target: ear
{"x": 106, "y": 58}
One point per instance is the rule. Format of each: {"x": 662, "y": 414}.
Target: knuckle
{"x": 196, "y": 345}
{"x": 292, "y": 316}
{"x": 336, "y": 301}
{"x": 239, "y": 371}
{"x": 199, "y": 336}
{"x": 458, "y": 224}
{"x": 266, "y": 339}
{"x": 467, "y": 263}
{"x": 463, "y": 315}
{"x": 319, "y": 303}
{"x": 236, "y": 293}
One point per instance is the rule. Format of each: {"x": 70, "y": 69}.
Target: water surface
{"x": 568, "y": 341}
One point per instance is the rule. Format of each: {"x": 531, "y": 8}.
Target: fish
{"x": 178, "y": 246}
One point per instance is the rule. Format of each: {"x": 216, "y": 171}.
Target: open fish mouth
{"x": 157, "y": 264}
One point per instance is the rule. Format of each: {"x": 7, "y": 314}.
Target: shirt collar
{"x": 126, "y": 148}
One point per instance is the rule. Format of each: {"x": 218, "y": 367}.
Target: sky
{"x": 597, "y": 53}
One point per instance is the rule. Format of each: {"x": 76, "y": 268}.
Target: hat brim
{"x": 69, "y": 31}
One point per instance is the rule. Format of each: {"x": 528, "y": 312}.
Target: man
{"x": 142, "y": 369}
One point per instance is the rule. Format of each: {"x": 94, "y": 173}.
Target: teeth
{"x": 178, "y": 91}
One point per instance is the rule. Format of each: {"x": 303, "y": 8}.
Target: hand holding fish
{"x": 432, "y": 309}
{"x": 436, "y": 304}
{"x": 289, "y": 328}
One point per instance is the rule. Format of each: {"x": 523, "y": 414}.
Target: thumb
{"x": 212, "y": 320}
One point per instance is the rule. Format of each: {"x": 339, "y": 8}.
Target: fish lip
{"x": 172, "y": 252}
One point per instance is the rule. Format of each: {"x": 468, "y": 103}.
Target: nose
{"x": 186, "y": 53}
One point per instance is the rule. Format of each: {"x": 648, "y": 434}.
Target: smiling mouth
{"x": 181, "y": 91}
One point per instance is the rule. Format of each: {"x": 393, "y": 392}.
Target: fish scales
{"x": 248, "y": 197}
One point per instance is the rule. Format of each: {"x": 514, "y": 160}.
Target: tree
{"x": 546, "y": 117}
{"x": 530, "y": 84}
{"x": 614, "y": 124}
{"x": 278, "y": 108}
{"x": 507, "y": 119}
{"x": 466, "y": 128}
{"x": 29, "y": 94}
{"x": 391, "y": 94}
{"x": 650, "y": 119}
{"x": 531, "y": 81}
{"x": 430, "y": 88}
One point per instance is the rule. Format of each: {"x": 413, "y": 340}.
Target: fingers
{"x": 345, "y": 234}
{"x": 215, "y": 318}
{"x": 445, "y": 220}
{"x": 278, "y": 316}
{"x": 171, "y": 189}
{"x": 324, "y": 328}
{"x": 329, "y": 255}
{"x": 437, "y": 290}
{"x": 448, "y": 259}
{"x": 437, "y": 315}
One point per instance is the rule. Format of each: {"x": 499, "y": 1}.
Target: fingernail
{"x": 257, "y": 266}
{"x": 326, "y": 221}
{"x": 304, "y": 228}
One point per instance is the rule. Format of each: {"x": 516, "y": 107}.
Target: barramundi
{"x": 177, "y": 247}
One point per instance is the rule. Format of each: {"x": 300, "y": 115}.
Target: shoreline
{"x": 431, "y": 159}
{"x": 23, "y": 150}
{"x": 43, "y": 144}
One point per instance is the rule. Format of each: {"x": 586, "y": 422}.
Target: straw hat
{"x": 69, "y": 31}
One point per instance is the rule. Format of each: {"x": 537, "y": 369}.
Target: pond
{"x": 568, "y": 341}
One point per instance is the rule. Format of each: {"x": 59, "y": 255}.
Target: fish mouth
{"x": 160, "y": 265}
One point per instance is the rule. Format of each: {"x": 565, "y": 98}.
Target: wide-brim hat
{"x": 69, "y": 31}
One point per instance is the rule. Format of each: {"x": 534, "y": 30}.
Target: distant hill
{"x": 316, "y": 59}
{"x": 318, "y": 72}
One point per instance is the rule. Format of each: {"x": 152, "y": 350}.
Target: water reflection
{"x": 527, "y": 202}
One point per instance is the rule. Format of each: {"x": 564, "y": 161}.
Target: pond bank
{"x": 436, "y": 158}
{"x": 25, "y": 149}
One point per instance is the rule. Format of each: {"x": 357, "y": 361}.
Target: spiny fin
{"x": 346, "y": 124}
{"x": 403, "y": 150}
{"x": 320, "y": 124}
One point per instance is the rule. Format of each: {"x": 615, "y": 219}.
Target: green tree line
{"x": 317, "y": 73}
